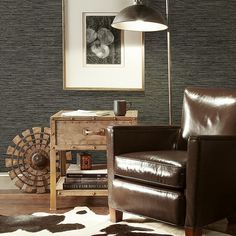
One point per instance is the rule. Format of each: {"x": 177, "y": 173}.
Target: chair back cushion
{"x": 208, "y": 111}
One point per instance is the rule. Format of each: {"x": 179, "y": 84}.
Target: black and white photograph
{"x": 103, "y": 43}
{"x": 96, "y": 55}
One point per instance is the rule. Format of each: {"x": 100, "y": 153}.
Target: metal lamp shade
{"x": 139, "y": 18}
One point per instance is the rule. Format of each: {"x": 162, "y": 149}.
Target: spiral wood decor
{"x": 29, "y": 160}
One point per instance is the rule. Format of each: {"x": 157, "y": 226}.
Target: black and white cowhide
{"x": 81, "y": 221}
{"x": 36, "y": 223}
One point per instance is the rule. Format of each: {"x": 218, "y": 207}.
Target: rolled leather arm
{"x": 211, "y": 179}
{"x": 124, "y": 139}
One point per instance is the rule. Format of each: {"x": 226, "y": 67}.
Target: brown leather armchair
{"x": 180, "y": 175}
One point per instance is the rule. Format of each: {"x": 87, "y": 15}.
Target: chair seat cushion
{"x": 164, "y": 168}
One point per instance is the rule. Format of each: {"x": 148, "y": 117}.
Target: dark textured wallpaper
{"x": 203, "y": 40}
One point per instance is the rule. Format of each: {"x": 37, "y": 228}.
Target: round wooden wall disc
{"x": 29, "y": 160}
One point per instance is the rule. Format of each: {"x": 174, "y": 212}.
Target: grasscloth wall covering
{"x": 203, "y": 53}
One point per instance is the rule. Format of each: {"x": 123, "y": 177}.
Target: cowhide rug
{"x": 81, "y": 221}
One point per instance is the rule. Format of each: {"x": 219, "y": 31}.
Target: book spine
{"x": 79, "y": 180}
{"x": 85, "y": 186}
{"x": 76, "y": 175}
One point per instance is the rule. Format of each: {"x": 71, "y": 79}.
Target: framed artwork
{"x": 97, "y": 56}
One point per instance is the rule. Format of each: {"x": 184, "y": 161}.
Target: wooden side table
{"x": 79, "y": 133}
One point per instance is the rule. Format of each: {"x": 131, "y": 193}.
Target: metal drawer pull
{"x": 100, "y": 132}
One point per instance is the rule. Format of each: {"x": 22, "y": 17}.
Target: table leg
{"x": 53, "y": 175}
{"x": 62, "y": 155}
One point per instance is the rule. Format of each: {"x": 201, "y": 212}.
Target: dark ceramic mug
{"x": 120, "y": 107}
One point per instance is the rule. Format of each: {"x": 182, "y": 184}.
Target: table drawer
{"x": 69, "y": 133}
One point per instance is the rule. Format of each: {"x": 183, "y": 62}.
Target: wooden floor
{"x": 13, "y": 202}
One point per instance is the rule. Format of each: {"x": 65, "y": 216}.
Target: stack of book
{"x": 96, "y": 178}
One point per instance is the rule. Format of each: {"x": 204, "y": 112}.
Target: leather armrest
{"x": 124, "y": 139}
{"x": 211, "y": 179}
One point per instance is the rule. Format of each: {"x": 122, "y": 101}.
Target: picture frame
{"x": 97, "y": 56}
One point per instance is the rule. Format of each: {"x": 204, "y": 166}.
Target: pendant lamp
{"x": 140, "y": 17}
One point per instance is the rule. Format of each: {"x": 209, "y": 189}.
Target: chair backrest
{"x": 209, "y": 111}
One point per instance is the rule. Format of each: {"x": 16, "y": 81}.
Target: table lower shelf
{"x": 78, "y": 192}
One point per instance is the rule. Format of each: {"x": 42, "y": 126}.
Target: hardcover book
{"x": 86, "y": 184}
{"x": 97, "y": 171}
{"x": 83, "y": 179}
